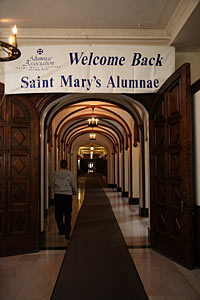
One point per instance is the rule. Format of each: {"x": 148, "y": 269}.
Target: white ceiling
{"x": 88, "y": 13}
{"x": 170, "y": 22}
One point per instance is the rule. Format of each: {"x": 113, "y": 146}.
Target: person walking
{"x": 64, "y": 186}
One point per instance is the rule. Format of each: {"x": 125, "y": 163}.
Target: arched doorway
{"x": 120, "y": 125}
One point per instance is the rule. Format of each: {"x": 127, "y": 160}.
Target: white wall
{"x": 196, "y": 101}
{"x": 135, "y": 170}
{"x": 190, "y": 57}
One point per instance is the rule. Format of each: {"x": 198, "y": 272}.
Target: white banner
{"x": 89, "y": 69}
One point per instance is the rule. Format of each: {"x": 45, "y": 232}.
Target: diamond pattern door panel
{"x": 160, "y": 136}
{"x": 176, "y": 227}
{"x": 19, "y": 193}
{"x": 174, "y": 133}
{"x": 19, "y": 165}
{"x": 19, "y": 137}
{"x": 162, "y": 221}
{"x": 175, "y": 196}
{"x": 160, "y": 192}
{"x": 161, "y": 165}
{"x": 19, "y": 170}
{"x": 19, "y": 222}
{"x": 175, "y": 165}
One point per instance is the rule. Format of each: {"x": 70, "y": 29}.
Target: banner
{"x": 89, "y": 69}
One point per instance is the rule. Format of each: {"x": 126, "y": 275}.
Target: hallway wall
{"x": 191, "y": 57}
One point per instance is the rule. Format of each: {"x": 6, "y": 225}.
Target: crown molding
{"x": 180, "y": 16}
{"x": 89, "y": 35}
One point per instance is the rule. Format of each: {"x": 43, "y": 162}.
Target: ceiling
{"x": 167, "y": 22}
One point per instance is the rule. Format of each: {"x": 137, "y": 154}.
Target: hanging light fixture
{"x": 92, "y": 136}
{"x": 10, "y": 49}
{"x": 93, "y": 122}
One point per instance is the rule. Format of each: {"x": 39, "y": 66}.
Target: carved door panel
{"x": 171, "y": 169}
{"x": 19, "y": 176}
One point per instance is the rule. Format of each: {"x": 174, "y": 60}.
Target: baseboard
{"x": 134, "y": 201}
{"x": 144, "y": 212}
{"x": 112, "y": 185}
{"x": 42, "y": 238}
{"x": 124, "y": 194}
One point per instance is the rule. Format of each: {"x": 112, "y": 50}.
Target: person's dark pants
{"x": 63, "y": 209}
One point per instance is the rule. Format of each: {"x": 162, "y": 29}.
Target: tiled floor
{"x": 52, "y": 239}
{"x": 33, "y": 276}
{"x": 162, "y": 278}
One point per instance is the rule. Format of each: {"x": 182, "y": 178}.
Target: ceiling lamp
{"x": 93, "y": 122}
{"x": 91, "y": 154}
{"x": 92, "y": 136}
{"x": 11, "y": 50}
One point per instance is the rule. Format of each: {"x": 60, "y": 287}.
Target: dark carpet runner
{"x": 97, "y": 264}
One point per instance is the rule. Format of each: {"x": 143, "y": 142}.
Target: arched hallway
{"x": 33, "y": 276}
{"x": 122, "y": 130}
{"x": 134, "y": 66}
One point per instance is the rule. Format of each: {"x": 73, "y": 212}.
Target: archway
{"x": 127, "y": 132}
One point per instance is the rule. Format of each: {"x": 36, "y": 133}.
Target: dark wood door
{"x": 19, "y": 176}
{"x": 171, "y": 169}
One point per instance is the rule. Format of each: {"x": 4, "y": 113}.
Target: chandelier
{"x": 92, "y": 136}
{"x": 93, "y": 122}
{"x": 10, "y": 49}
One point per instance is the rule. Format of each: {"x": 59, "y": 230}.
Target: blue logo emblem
{"x": 40, "y": 51}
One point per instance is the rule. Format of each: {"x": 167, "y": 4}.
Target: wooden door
{"x": 171, "y": 169}
{"x": 19, "y": 176}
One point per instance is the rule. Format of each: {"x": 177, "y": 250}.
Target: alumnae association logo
{"x": 39, "y": 62}
{"x": 40, "y": 51}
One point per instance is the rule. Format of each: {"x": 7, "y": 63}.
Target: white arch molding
{"x": 127, "y": 103}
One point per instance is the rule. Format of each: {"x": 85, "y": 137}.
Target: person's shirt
{"x": 63, "y": 182}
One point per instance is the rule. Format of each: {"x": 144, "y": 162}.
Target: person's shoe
{"x": 67, "y": 236}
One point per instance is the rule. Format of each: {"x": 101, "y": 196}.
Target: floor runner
{"x": 97, "y": 264}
